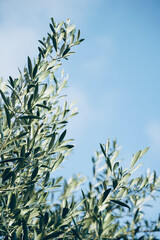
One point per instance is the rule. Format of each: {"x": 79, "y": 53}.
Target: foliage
{"x": 33, "y": 118}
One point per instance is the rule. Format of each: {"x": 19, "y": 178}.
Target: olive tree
{"x": 34, "y": 204}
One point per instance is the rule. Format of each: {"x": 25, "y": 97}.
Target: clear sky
{"x": 114, "y": 75}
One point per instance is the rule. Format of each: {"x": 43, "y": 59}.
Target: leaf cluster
{"x": 34, "y": 204}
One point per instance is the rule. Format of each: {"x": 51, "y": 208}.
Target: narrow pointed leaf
{"x": 35, "y": 70}
{"x": 144, "y": 151}
{"x": 53, "y": 235}
{"x": 64, "y": 148}
{"x": 109, "y": 163}
{"x": 70, "y": 28}
{"x": 30, "y": 67}
{"x": 11, "y": 81}
{"x": 12, "y": 203}
{"x": 62, "y": 136}
{"x": 34, "y": 173}
{"x": 54, "y": 43}
{"x": 135, "y": 159}
{"x": 7, "y": 116}
{"x": 78, "y": 35}
{"x": 120, "y": 203}
{"x": 66, "y": 51}
{"x": 12, "y": 159}
{"x": 104, "y": 196}
{"x": 62, "y": 48}
{"x": 52, "y": 29}
{"x": 43, "y": 76}
{"x": 103, "y": 150}
{"x": 29, "y": 117}
{"x": 4, "y": 98}
{"x": 42, "y": 106}
{"x": 23, "y": 151}
{"x": 52, "y": 141}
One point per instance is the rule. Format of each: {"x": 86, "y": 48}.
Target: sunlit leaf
{"x": 135, "y": 159}
{"x": 70, "y": 28}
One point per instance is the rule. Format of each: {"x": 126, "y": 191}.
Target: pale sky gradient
{"x": 114, "y": 75}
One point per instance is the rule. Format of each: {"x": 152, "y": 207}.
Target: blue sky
{"x": 114, "y": 75}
